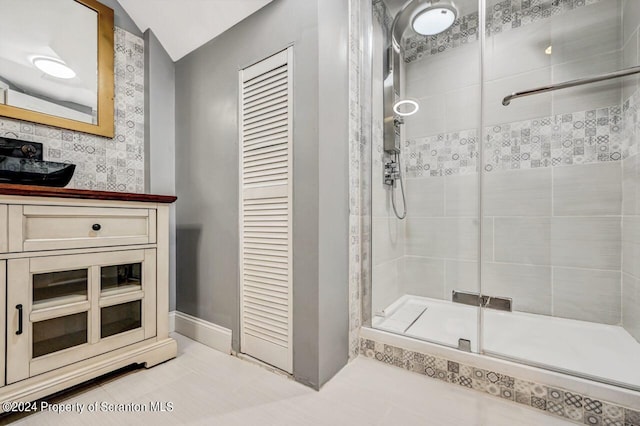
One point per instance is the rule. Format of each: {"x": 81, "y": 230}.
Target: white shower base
{"x": 589, "y": 349}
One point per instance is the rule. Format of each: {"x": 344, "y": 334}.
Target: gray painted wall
{"x": 160, "y": 136}
{"x": 121, "y": 17}
{"x": 207, "y": 177}
{"x": 333, "y": 156}
{"x": 159, "y": 124}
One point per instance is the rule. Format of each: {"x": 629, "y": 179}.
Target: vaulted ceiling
{"x": 184, "y": 25}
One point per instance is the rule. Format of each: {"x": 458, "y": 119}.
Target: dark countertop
{"x": 45, "y": 191}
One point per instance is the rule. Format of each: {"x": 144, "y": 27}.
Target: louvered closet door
{"x": 265, "y": 220}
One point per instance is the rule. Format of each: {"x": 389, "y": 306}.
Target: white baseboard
{"x": 172, "y": 321}
{"x": 202, "y": 331}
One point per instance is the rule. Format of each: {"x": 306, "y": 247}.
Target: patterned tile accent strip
{"x": 355, "y": 238}
{"x": 443, "y": 154}
{"x": 578, "y": 138}
{"x": 558, "y": 402}
{"x": 102, "y": 164}
{"x": 359, "y": 169}
{"x": 501, "y": 16}
{"x": 631, "y": 121}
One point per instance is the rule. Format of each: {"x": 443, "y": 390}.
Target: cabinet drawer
{"x": 33, "y": 228}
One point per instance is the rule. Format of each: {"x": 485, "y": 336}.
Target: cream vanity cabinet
{"x": 85, "y": 276}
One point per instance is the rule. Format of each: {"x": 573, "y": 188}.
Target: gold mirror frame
{"x": 105, "y": 126}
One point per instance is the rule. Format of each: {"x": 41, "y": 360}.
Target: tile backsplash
{"x": 102, "y": 164}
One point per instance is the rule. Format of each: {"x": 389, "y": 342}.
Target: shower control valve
{"x": 391, "y": 172}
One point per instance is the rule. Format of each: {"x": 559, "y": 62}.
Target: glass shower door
{"x": 421, "y": 261}
{"x": 559, "y": 188}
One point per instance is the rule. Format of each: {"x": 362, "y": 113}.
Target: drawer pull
{"x": 96, "y": 227}
{"x": 19, "y": 308}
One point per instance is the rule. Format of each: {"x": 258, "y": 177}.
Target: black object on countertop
{"x": 21, "y": 163}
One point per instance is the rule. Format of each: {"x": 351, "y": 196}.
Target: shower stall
{"x": 505, "y": 204}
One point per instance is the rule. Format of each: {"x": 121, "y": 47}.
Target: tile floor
{"x": 210, "y": 388}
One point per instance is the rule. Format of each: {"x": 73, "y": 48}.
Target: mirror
{"x": 56, "y": 64}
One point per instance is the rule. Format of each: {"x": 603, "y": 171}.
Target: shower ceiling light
{"x": 434, "y": 19}
{"x": 406, "y": 107}
{"x": 53, "y": 67}
{"x": 548, "y": 50}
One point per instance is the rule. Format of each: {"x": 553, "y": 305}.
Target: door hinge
{"x": 476, "y": 299}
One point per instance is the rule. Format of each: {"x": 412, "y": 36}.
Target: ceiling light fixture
{"x": 434, "y": 19}
{"x": 548, "y": 50}
{"x": 53, "y": 67}
{"x": 410, "y": 107}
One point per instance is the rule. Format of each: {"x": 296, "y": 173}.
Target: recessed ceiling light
{"x": 548, "y": 50}
{"x": 406, "y": 107}
{"x": 434, "y": 20}
{"x": 53, "y": 67}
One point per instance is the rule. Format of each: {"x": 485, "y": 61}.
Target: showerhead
{"x": 425, "y": 17}
{"x": 434, "y": 19}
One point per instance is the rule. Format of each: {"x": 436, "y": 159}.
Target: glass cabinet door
{"x": 125, "y": 281}
{"x": 121, "y": 280}
{"x": 51, "y": 290}
{"x": 54, "y": 290}
{"x": 63, "y": 309}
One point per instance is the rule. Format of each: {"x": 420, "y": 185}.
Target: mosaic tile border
{"x": 566, "y": 139}
{"x": 559, "y": 402}
{"x": 501, "y": 16}
{"x": 101, "y": 163}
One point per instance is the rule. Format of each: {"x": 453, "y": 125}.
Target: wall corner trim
{"x": 201, "y": 331}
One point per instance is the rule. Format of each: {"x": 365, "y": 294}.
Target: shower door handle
{"x": 572, "y": 83}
